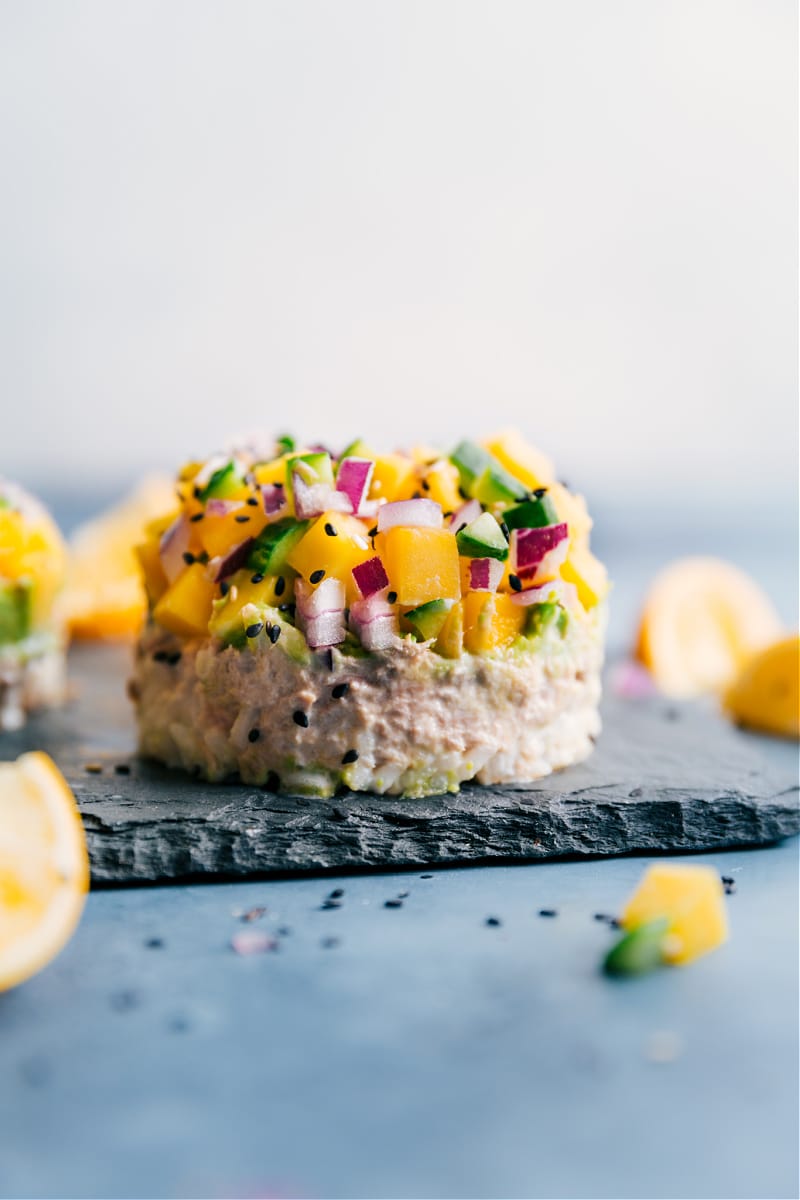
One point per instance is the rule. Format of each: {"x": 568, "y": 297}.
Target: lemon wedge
{"x": 766, "y": 693}
{"x": 703, "y": 620}
{"x": 44, "y": 867}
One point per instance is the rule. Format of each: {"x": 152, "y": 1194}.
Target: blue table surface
{"x": 412, "y": 1051}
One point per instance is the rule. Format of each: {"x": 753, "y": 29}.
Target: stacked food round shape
{"x": 393, "y": 623}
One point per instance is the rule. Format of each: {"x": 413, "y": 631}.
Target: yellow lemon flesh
{"x": 703, "y": 620}
{"x": 766, "y": 693}
{"x": 44, "y": 867}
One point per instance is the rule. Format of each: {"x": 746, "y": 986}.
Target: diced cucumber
{"x": 532, "y": 514}
{"x": 312, "y": 468}
{"x": 496, "y": 486}
{"x": 357, "y": 449}
{"x": 274, "y": 545}
{"x": 15, "y": 612}
{"x": 224, "y": 483}
{"x": 639, "y": 950}
{"x": 483, "y": 538}
{"x": 427, "y": 620}
{"x": 471, "y": 460}
{"x": 285, "y": 444}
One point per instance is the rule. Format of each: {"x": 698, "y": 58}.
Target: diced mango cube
{"x": 691, "y": 898}
{"x": 394, "y": 478}
{"x": 571, "y": 508}
{"x": 440, "y": 483}
{"x": 218, "y": 535}
{"x": 524, "y": 461}
{"x": 335, "y": 554}
{"x": 491, "y": 622}
{"x": 422, "y": 564}
{"x": 185, "y": 607}
{"x": 587, "y": 573}
{"x": 155, "y": 581}
{"x": 275, "y": 471}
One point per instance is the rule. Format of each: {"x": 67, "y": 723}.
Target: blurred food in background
{"x": 766, "y": 693}
{"x": 104, "y": 596}
{"x": 32, "y": 570}
{"x": 44, "y": 866}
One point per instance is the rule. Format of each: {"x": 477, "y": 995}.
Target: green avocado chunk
{"x": 15, "y": 612}
{"x": 428, "y": 619}
{"x": 312, "y": 468}
{"x": 223, "y": 484}
{"x": 482, "y": 538}
{"x": 532, "y": 514}
{"x": 274, "y": 545}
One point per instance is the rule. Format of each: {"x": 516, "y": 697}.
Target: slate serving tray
{"x": 664, "y": 777}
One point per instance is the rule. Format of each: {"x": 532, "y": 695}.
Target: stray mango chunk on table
{"x": 691, "y": 899}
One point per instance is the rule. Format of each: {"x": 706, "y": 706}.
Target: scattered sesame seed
{"x": 287, "y": 608}
{"x": 329, "y": 529}
{"x": 337, "y": 894}
{"x": 273, "y": 633}
{"x": 493, "y": 921}
{"x": 284, "y": 931}
{"x": 330, "y": 903}
{"x": 122, "y": 769}
{"x": 729, "y": 885}
{"x": 371, "y": 533}
{"x": 197, "y": 492}
{"x": 505, "y": 530}
{"x": 175, "y": 658}
{"x": 280, "y": 586}
{"x": 403, "y": 895}
{"x": 300, "y": 718}
{"x": 154, "y": 943}
{"x": 426, "y": 487}
{"x": 188, "y": 557}
{"x": 516, "y": 583}
{"x": 350, "y": 757}
{"x": 254, "y": 735}
{"x": 224, "y": 587}
{"x": 449, "y": 513}
{"x": 463, "y": 525}
{"x": 426, "y": 876}
{"x": 416, "y": 495}
{"x": 160, "y": 656}
{"x": 391, "y": 598}
{"x": 93, "y": 769}
{"x": 242, "y": 518}
{"x": 393, "y": 903}
{"x": 604, "y": 917}
{"x": 197, "y": 517}
{"x": 251, "y": 500}
{"x": 539, "y": 492}
{"x": 329, "y": 943}
{"x": 548, "y": 912}
{"x": 316, "y": 576}
{"x": 340, "y": 690}
{"x": 254, "y": 630}
{"x": 257, "y": 578}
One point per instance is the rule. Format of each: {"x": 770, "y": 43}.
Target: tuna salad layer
{"x": 400, "y": 721}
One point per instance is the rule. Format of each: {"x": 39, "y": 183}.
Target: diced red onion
{"x": 172, "y": 547}
{"x": 353, "y": 478}
{"x": 235, "y": 558}
{"x": 485, "y": 574}
{"x": 221, "y": 508}
{"x": 370, "y": 577}
{"x": 550, "y": 565}
{"x": 465, "y": 515}
{"x": 529, "y": 546}
{"x": 328, "y": 629}
{"x": 558, "y": 589}
{"x": 420, "y": 513}
{"x": 313, "y": 499}
{"x": 273, "y": 497}
{"x": 327, "y": 597}
{"x": 375, "y": 621}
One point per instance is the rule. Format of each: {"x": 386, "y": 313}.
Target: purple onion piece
{"x": 529, "y": 546}
{"x": 558, "y": 589}
{"x": 485, "y": 574}
{"x": 353, "y": 478}
{"x": 328, "y": 629}
{"x": 172, "y": 547}
{"x": 221, "y": 508}
{"x": 273, "y": 498}
{"x": 370, "y": 577}
{"x": 327, "y": 597}
{"x": 234, "y": 559}
{"x": 313, "y": 499}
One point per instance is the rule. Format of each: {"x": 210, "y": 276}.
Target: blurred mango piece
{"x": 44, "y": 867}
{"x": 766, "y": 693}
{"x": 703, "y": 620}
{"x": 691, "y": 899}
{"x": 104, "y": 596}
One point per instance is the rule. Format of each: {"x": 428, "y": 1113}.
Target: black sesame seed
{"x": 340, "y": 690}
{"x": 426, "y": 487}
{"x": 197, "y": 492}
{"x": 331, "y": 903}
{"x": 372, "y": 531}
{"x": 427, "y": 876}
{"x": 493, "y": 921}
{"x": 251, "y": 500}
{"x": 197, "y": 517}
{"x": 403, "y": 895}
{"x": 391, "y": 598}
{"x": 539, "y": 492}
{"x": 729, "y": 885}
{"x": 160, "y": 656}
{"x": 280, "y": 586}
{"x": 505, "y": 530}
{"x": 174, "y": 658}
{"x": 241, "y": 519}
{"x": 463, "y": 525}
{"x": 447, "y": 514}
{"x": 122, "y": 769}
{"x": 329, "y": 943}
{"x": 300, "y": 718}
{"x": 224, "y": 588}
{"x": 188, "y": 557}
{"x": 316, "y": 576}
{"x": 273, "y": 633}
{"x": 257, "y": 578}
{"x": 603, "y": 917}
{"x": 329, "y": 529}
{"x": 393, "y": 904}
{"x": 416, "y": 495}
{"x": 350, "y": 757}
{"x": 548, "y": 912}
{"x": 516, "y": 583}
{"x": 254, "y": 630}
{"x": 254, "y": 735}
{"x": 286, "y": 608}
{"x": 154, "y": 943}
{"x": 336, "y": 894}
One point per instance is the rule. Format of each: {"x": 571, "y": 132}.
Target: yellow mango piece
{"x": 703, "y": 620}
{"x": 571, "y": 508}
{"x": 422, "y": 564}
{"x": 450, "y": 642}
{"x": 218, "y": 535}
{"x": 491, "y": 622}
{"x": 275, "y": 471}
{"x": 587, "y": 573}
{"x": 155, "y": 581}
{"x": 185, "y": 607}
{"x": 692, "y": 900}
{"x": 524, "y": 461}
{"x": 336, "y": 556}
{"x": 394, "y": 478}
{"x": 423, "y": 454}
{"x": 440, "y": 483}
{"x": 242, "y": 590}
{"x": 766, "y": 694}
{"x": 32, "y": 551}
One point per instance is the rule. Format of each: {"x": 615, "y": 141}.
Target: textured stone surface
{"x": 663, "y": 778}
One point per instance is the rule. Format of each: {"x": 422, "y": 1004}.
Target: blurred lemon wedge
{"x": 104, "y": 596}
{"x": 703, "y": 620}
{"x": 44, "y": 867}
{"x": 766, "y": 693}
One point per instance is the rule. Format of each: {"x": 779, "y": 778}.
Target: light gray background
{"x": 402, "y": 219}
